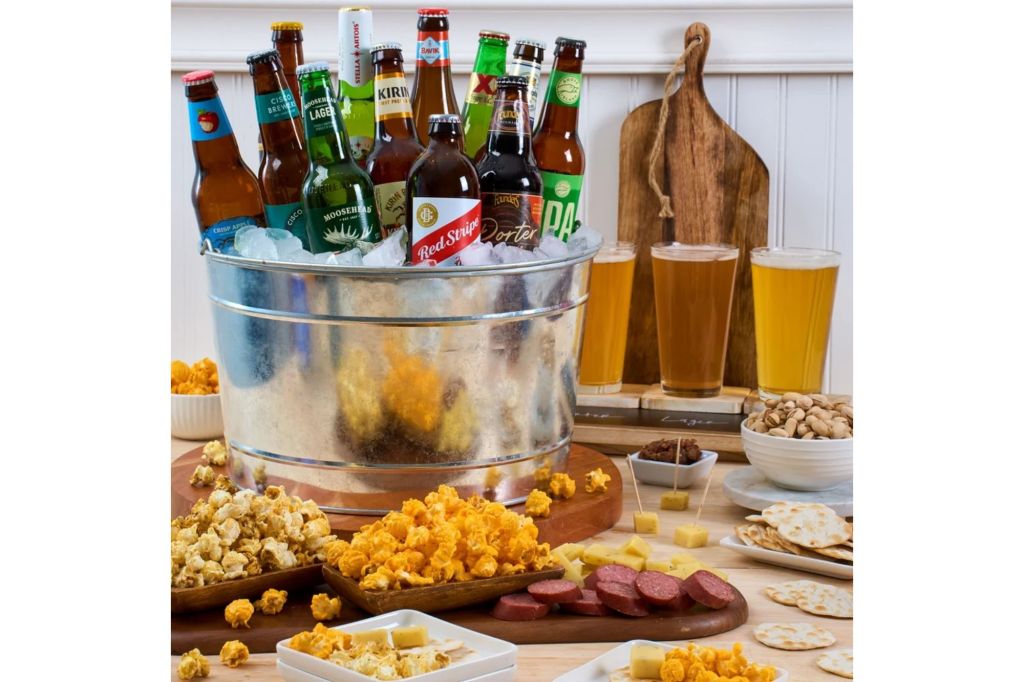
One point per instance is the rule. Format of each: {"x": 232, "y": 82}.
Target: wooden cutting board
{"x": 718, "y": 187}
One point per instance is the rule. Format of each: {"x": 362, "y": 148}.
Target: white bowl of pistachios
{"x": 801, "y": 442}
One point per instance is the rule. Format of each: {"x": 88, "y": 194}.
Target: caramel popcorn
{"x": 597, "y": 481}
{"x": 200, "y": 379}
{"x": 376, "y": 659}
{"x": 561, "y": 485}
{"x": 238, "y": 613}
{"x": 440, "y": 539}
{"x": 271, "y": 602}
{"x": 202, "y": 476}
{"x": 706, "y": 664}
{"x": 193, "y": 664}
{"x": 538, "y": 503}
{"x": 234, "y": 653}
{"x": 325, "y": 607}
{"x": 215, "y": 453}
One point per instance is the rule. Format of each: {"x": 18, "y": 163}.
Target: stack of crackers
{"x": 804, "y": 529}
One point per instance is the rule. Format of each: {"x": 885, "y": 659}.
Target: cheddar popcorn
{"x": 215, "y": 453}
{"x": 597, "y": 481}
{"x": 271, "y": 602}
{"x": 562, "y": 485}
{"x": 202, "y": 476}
{"x": 707, "y": 664}
{"x": 538, "y": 503}
{"x": 325, "y": 607}
{"x": 234, "y": 653}
{"x": 199, "y": 379}
{"x": 193, "y": 664}
{"x": 238, "y": 613}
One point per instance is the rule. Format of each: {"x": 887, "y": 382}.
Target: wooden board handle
{"x": 694, "y": 76}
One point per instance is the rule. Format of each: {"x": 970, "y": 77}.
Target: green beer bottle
{"x": 337, "y": 194}
{"x": 355, "y": 79}
{"x": 483, "y": 85}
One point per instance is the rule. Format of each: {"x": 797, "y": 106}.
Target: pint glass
{"x": 793, "y": 294}
{"x": 604, "y": 332}
{"x": 693, "y": 286}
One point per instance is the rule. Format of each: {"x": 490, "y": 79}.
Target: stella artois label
{"x": 442, "y": 227}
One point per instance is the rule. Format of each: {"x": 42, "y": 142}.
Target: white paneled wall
{"x": 779, "y": 71}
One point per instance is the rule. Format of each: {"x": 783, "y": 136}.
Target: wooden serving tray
{"x": 432, "y": 598}
{"x": 188, "y": 599}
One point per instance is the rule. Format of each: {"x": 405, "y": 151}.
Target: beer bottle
{"x": 510, "y": 184}
{"x": 527, "y": 58}
{"x": 476, "y": 109}
{"x": 337, "y": 195}
{"x": 442, "y": 196}
{"x": 225, "y": 193}
{"x": 556, "y": 145}
{"x": 432, "y": 90}
{"x": 283, "y": 166}
{"x": 287, "y": 37}
{"x": 355, "y": 79}
{"x": 395, "y": 147}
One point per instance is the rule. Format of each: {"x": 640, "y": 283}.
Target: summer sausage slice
{"x": 554, "y": 591}
{"x": 587, "y": 605}
{"x": 622, "y": 598}
{"x": 708, "y": 589}
{"x": 611, "y": 573}
{"x": 519, "y": 607}
{"x": 656, "y": 587}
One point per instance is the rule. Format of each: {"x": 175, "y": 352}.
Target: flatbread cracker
{"x": 838, "y": 662}
{"x": 835, "y": 552}
{"x": 755, "y": 518}
{"x": 744, "y": 536}
{"x": 808, "y": 525}
{"x": 793, "y": 636}
{"x": 783, "y": 543}
{"x": 788, "y": 593}
{"x": 758, "y": 534}
{"x": 826, "y": 600}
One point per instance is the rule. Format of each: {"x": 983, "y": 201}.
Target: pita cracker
{"x": 809, "y": 525}
{"x": 838, "y": 662}
{"x": 755, "y": 518}
{"x": 835, "y": 552}
{"x": 788, "y": 593}
{"x": 782, "y": 542}
{"x": 793, "y": 636}
{"x": 826, "y": 600}
{"x": 742, "y": 534}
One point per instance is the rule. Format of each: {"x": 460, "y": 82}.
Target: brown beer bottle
{"x": 442, "y": 196}
{"x": 287, "y": 39}
{"x": 432, "y": 90}
{"x": 510, "y": 184}
{"x": 225, "y": 193}
{"x": 556, "y": 144}
{"x": 395, "y": 146}
{"x": 284, "y": 163}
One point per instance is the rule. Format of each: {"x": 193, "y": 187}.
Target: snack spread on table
{"x": 809, "y": 417}
{"x": 692, "y": 664}
{"x": 801, "y": 528}
{"x": 199, "y": 379}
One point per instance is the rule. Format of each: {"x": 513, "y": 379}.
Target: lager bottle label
{"x": 531, "y": 71}
{"x": 512, "y": 218}
{"x": 482, "y": 88}
{"x": 442, "y": 227}
{"x": 432, "y": 48}
{"x": 222, "y": 233}
{"x": 207, "y": 120}
{"x": 564, "y": 88}
{"x": 276, "y": 106}
{"x": 390, "y": 198}
{"x": 318, "y": 116}
{"x": 392, "y": 97}
{"x": 288, "y": 217}
{"x": 561, "y": 203}
{"x": 343, "y": 226}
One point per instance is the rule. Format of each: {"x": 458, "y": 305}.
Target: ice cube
{"x": 245, "y": 236}
{"x": 350, "y": 257}
{"x": 478, "y": 253}
{"x": 285, "y": 241}
{"x": 552, "y": 247}
{"x": 299, "y": 256}
{"x": 389, "y": 253}
{"x": 512, "y": 254}
{"x": 584, "y": 239}
{"x": 324, "y": 257}
{"x": 257, "y": 245}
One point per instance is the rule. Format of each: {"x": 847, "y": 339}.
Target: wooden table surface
{"x": 538, "y": 662}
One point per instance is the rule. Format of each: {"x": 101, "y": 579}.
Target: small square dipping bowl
{"x": 661, "y": 473}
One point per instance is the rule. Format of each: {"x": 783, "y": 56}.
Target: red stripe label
{"x": 443, "y": 243}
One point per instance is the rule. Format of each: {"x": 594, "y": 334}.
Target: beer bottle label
{"x": 432, "y": 48}
{"x": 511, "y": 217}
{"x": 343, "y": 227}
{"x": 276, "y": 106}
{"x": 207, "y": 120}
{"x": 561, "y": 203}
{"x": 482, "y": 88}
{"x": 390, "y": 198}
{"x": 222, "y": 233}
{"x": 442, "y": 227}
{"x": 564, "y": 88}
{"x": 510, "y": 117}
{"x": 392, "y": 97}
{"x": 288, "y": 217}
{"x": 318, "y": 115}
{"x": 531, "y": 71}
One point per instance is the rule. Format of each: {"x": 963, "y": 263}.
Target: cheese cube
{"x": 632, "y": 560}
{"x": 379, "y": 635}
{"x": 717, "y": 571}
{"x": 645, "y": 522}
{"x": 691, "y": 535}
{"x": 658, "y": 565}
{"x": 413, "y": 635}
{"x": 597, "y": 555}
{"x": 570, "y": 550}
{"x": 685, "y": 571}
{"x": 683, "y": 558}
{"x": 677, "y": 501}
{"x": 586, "y": 569}
{"x": 638, "y": 546}
{"x": 572, "y": 569}
{"x": 645, "y": 662}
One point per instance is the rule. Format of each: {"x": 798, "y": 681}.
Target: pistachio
{"x": 791, "y": 396}
{"x": 808, "y": 436}
{"x": 803, "y": 429}
{"x": 771, "y": 403}
{"x": 839, "y": 429}
{"x": 789, "y": 404}
{"x": 807, "y": 417}
{"x": 759, "y": 427}
{"x": 774, "y": 419}
{"x": 781, "y": 433}
{"x": 846, "y": 411}
{"x": 798, "y": 414}
{"x": 805, "y": 402}
{"x": 791, "y": 426}
{"x": 821, "y": 428}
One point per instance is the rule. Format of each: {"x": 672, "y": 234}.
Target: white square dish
{"x": 599, "y": 669}
{"x": 490, "y": 655}
{"x": 290, "y": 674}
{"x": 661, "y": 473}
{"x": 802, "y": 563}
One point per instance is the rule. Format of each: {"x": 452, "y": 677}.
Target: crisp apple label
{"x": 207, "y": 120}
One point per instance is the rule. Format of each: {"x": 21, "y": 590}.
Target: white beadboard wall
{"x": 779, "y": 71}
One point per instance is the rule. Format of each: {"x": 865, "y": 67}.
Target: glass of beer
{"x": 604, "y": 331}
{"x": 693, "y": 285}
{"x": 793, "y": 293}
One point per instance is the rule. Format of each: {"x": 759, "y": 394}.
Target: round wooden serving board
{"x": 579, "y": 518}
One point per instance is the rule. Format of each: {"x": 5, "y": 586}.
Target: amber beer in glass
{"x": 793, "y": 294}
{"x": 604, "y": 332}
{"x": 693, "y": 287}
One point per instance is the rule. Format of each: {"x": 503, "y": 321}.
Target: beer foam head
{"x": 794, "y": 258}
{"x": 616, "y": 252}
{"x": 694, "y": 252}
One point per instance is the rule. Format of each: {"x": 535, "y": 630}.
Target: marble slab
{"x": 748, "y": 488}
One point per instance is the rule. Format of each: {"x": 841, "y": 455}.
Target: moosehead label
{"x": 318, "y": 115}
{"x": 511, "y": 218}
{"x": 391, "y": 97}
{"x": 442, "y": 227}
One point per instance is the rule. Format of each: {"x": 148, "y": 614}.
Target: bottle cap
{"x": 286, "y": 26}
{"x": 513, "y": 81}
{"x": 495, "y": 35}
{"x": 433, "y": 12}
{"x": 354, "y": 9}
{"x": 197, "y": 77}
{"x": 262, "y": 57}
{"x": 380, "y": 47}
{"x": 444, "y": 118}
{"x": 561, "y": 41}
{"x": 540, "y": 44}
{"x": 312, "y": 67}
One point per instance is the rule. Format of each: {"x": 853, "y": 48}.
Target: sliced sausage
{"x": 708, "y": 589}
{"x": 656, "y": 587}
{"x": 622, "y": 598}
{"x": 683, "y": 602}
{"x": 611, "y": 573}
{"x": 587, "y": 605}
{"x": 554, "y": 591}
{"x": 519, "y": 607}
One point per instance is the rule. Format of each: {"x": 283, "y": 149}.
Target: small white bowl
{"x": 661, "y": 473}
{"x": 196, "y": 417}
{"x": 799, "y": 464}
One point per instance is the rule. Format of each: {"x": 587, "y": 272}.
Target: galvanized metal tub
{"x": 362, "y": 387}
